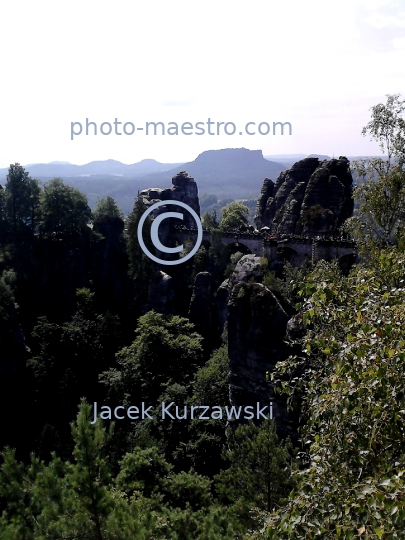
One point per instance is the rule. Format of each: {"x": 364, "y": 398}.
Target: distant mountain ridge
{"x": 231, "y": 173}
{"x": 234, "y": 173}
{"x": 221, "y": 171}
{"x": 107, "y": 167}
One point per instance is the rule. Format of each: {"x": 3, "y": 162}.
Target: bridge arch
{"x": 238, "y": 246}
{"x": 288, "y": 254}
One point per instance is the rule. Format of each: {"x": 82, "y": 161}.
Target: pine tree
{"x": 21, "y": 200}
{"x": 260, "y": 472}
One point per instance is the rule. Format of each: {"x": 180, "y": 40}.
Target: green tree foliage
{"x": 64, "y": 211}
{"x": 380, "y": 194}
{"x": 188, "y": 490}
{"x": 67, "y": 500}
{"x": 21, "y": 200}
{"x": 143, "y": 470}
{"x": 181, "y": 504}
{"x": 209, "y": 220}
{"x": 16, "y": 517}
{"x": 80, "y": 499}
{"x": 108, "y": 220}
{"x": 166, "y": 349}
{"x": 106, "y": 209}
{"x": 110, "y": 260}
{"x": 207, "y": 437}
{"x": 381, "y": 214}
{"x": 66, "y": 361}
{"x": 87, "y": 480}
{"x": 387, "y": 127}
{"x": 351, "y": 385}
{"x": 260, "y": 469}
{"x": 210, "y": 385}
{"x": 234, "y": 216}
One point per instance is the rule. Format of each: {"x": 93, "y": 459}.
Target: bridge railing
{"x": 272, "y": 239}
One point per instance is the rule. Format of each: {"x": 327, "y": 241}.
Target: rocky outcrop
{"x": 184, "y": 189}
{"x": 256, "y": 324}
{"x": 256, "y": 332}
{"x": 295, "y": 328}
{"x": 221, "y": 302}
{"x": 161, "y": 294}
{"x": 248, "y": 268}
{"x": 312, "y": 198}
{"x": 266, "y": 193}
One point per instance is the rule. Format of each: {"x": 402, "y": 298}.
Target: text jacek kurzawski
{"x": 172, "y": 411}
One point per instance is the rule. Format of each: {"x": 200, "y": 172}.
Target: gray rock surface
{"x": 221, "y": 302}
{"x": 295, "y": 328}
{"x": 312, "y": 198}
{"x": 256, "y": 333}
{"x": 247, "y": 268}
{"x": 261, "y": 208}
{"x": 161, "y": 294}
{"x": 184, "y": 188}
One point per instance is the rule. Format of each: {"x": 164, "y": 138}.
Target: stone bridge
{"x": 292, "y": 248}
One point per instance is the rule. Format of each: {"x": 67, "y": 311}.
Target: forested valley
{"x": 76, "y": 327}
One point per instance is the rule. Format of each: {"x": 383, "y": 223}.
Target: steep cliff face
{"x": 262, "y": 210}
{"x": 184, "y": 189}
{"x": 161, "y": 294}
{"x": 312, "y": 198}
{"x": 256, "y": 325}
{"x": 256, "y": 332}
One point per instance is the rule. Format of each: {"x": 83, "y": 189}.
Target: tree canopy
{"x": 234, "y": 216}
{"x": 64, "y": 211}
{"x": 380, "y": 193}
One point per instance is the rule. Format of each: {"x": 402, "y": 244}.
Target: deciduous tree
{"x": 234, "y": 216}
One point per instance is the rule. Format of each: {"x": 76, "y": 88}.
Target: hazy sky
{"x": 319, "y": 65}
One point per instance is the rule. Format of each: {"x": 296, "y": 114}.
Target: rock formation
{"x": 262, "y": 210}
{"x": 256, "y": 332}
{"x": 312, "y": 198}
{"x": 221, "y": 302}
{"x": 256, "y": 323}
{"x": 161, "y": 297}
{"x": 184, "y": 189}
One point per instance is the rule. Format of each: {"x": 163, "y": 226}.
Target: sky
{"x": 319, "y": 65}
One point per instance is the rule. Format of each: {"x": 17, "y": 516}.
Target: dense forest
{"x": 76, "y": 328}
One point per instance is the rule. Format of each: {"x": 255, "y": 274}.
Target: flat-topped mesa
{"x": 184, "y": 189}
{"x": 312, "y": 198}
